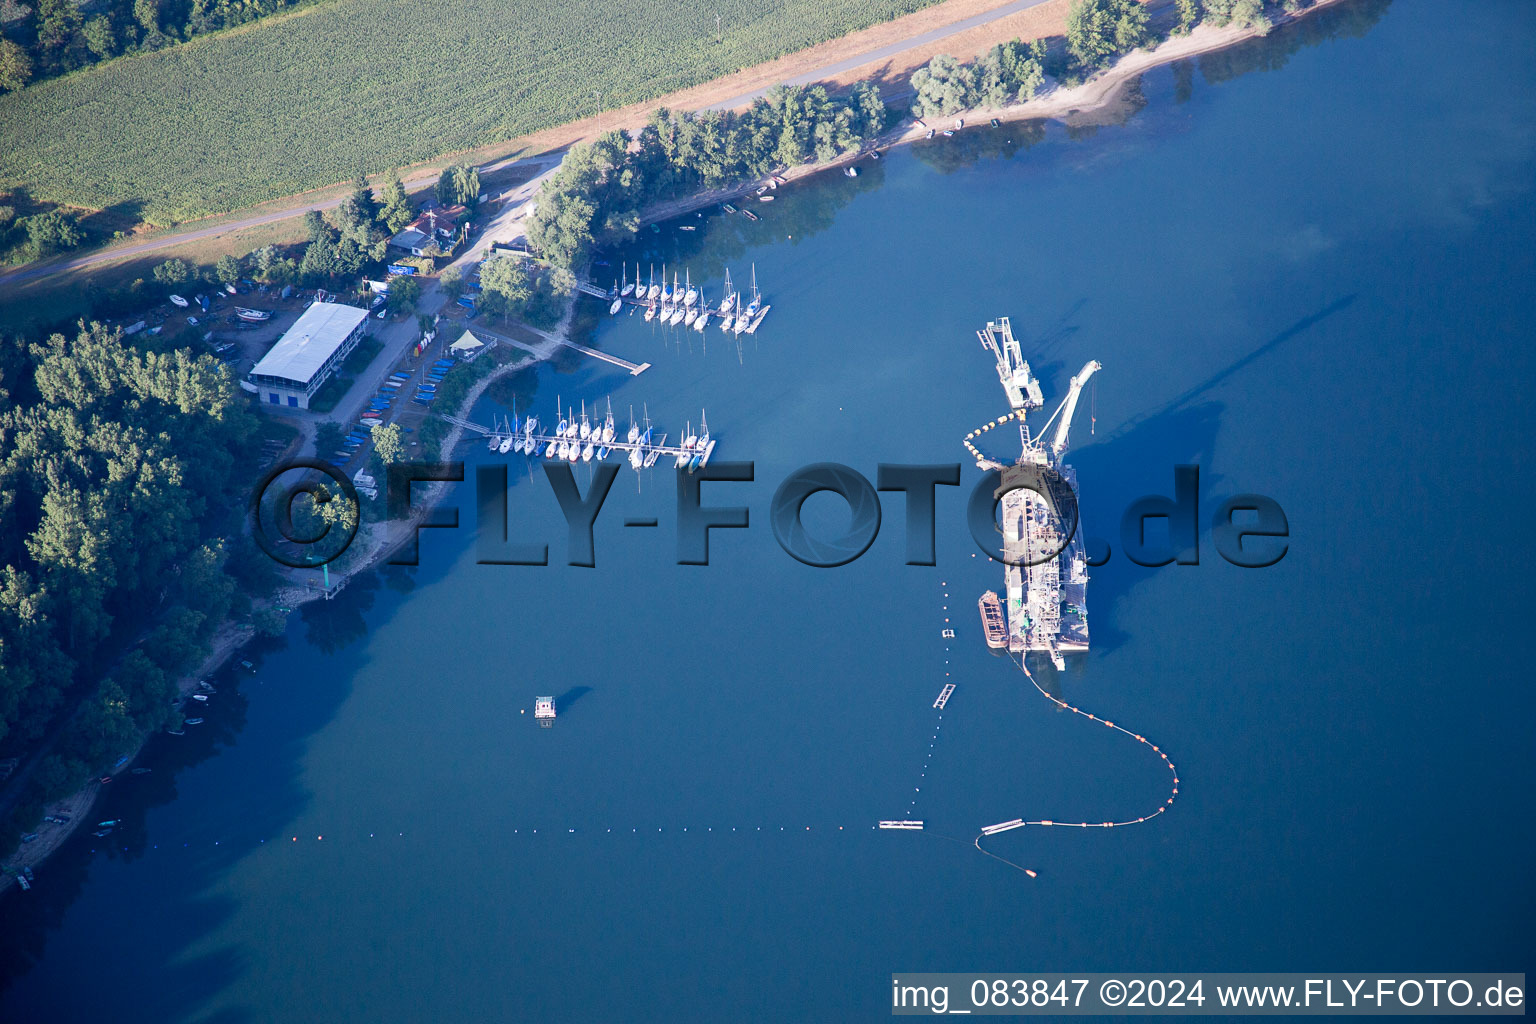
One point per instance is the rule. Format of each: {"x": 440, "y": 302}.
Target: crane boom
{"x": 1069, "y": 406}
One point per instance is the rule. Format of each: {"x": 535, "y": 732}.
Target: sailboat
{"x": 745, "y": 319}
{"x": 628, "y": 285}
{"x": 691, "y": 294}
{"x": 616, "y": 305}
{"x": 729, "y": 302}
{"x": 654, "y": 290}
{"x": 686, "y": 446}
{"x": 549, "y": 452}
{"x": 666, "y": 290}
{"x": 586, "y": 428}
{"x": 757, "y": 298}
{"x": 634, "y": 431}
{"x": 703, "y": 318}
{"x": 701, "y": 444}
{"x": 677, "y": 308}
{"x": 608, "y": 424}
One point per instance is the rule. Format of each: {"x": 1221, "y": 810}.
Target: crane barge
{"x": 1046, "y": 567}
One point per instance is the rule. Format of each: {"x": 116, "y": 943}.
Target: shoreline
{"x": 1085, "y": 104}
{"x": 1075, "y": 106}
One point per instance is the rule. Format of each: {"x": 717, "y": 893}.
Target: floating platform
{"x": 1004, "y": 826}
{"x": 915, "y": 826}
{"x": 949, "y": 688}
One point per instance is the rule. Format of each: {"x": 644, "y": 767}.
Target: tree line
{"x": 121, "y": 470}
{"x": 601, "y": 188}
{"x": 55, "y": 37}
{"x": 1098, "y": 32}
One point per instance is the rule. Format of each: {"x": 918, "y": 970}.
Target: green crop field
{"x": 315, "y": 97}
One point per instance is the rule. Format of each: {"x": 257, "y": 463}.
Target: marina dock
{"x": 681, "y": 304}
{"x": 583, "y": 439}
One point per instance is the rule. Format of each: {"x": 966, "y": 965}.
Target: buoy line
{"x": 1017, "y": 414}
{"x": 1020, "y": 823}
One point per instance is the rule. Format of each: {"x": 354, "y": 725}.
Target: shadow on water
{"x": 1137, "y": 459}
{"x": 568, "y": 699}
{"x": 175, "y": 913}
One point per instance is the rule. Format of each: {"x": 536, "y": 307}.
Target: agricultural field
{"x": 317, "y": 96}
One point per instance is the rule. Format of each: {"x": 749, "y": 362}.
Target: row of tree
{"x": 59, "y": 36}
{"x": 1008, "y": 73}
{"x": 1098, "y": 31}
{"x": 120, "y": 470}
{"x": 354, "y": 238}
{"x": 601, "y": 188}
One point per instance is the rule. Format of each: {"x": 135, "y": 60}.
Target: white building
{"x": 306, "y": 356}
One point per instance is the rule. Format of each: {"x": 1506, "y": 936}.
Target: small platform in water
{"x": 949, "y": 688}
{"x": 992, "y": 622}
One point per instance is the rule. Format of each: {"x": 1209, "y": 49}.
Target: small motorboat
{"x": 177, "y": 300}
{"x": 194, "y": 721}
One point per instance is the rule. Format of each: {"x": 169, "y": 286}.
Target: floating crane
{"x": 1022, "y": 388}
{"x": 1046, "y": 570}
{"x": 1068, "y": 407}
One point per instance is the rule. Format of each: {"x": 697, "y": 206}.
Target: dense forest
{"x": 54, "y": 37}
{"x": 601, "y": 188}
{"x": 120, "y": 471}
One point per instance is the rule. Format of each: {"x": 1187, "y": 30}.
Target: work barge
{"x": 1046, "y": 568}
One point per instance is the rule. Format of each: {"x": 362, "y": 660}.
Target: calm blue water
{"x": 1314, "y": 282}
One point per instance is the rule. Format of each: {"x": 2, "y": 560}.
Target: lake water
{"x": 1315, "y": 282}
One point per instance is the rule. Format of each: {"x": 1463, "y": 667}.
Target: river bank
{"x": 1099, "y": 100}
